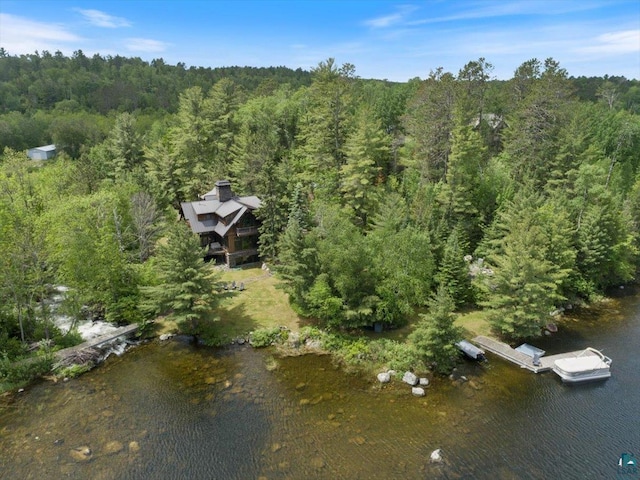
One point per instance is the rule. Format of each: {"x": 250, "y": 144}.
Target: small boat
{"x": 470, "y": 350}
{"x": 588, "y": 365}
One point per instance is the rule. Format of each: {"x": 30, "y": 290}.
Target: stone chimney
{"x": 223, "y": 187}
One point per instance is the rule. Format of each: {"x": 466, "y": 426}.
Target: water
{"x": 88, "y": 329}
{"x": 170, "y": 411}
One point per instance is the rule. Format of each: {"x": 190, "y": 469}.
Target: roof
{"x": 493, "y": 120}
{"x": 227, "y": 208}
{"x": 197, "y": 226}
{"x": 205, "y": 206}
{"x": 215, "y": 210}
{"x": 45, "y": 148}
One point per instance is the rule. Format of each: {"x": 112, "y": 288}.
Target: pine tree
{"x": 460, "y": 194}
{"x": 297, "y": 262}
{"x": 436, "y": 334}
{"x": 525, "y": 285}
{"x": 124, "y": 145}
{"x": 366, "y": 151}
{"x": 185, "y": 289}
{"x": 429, "y": 122}
{"x": 453, "y": 273}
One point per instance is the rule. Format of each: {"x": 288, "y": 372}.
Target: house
{"x": 45, "y": 152}
{"x": 225, "y": 223}
{"x": 492, "y": 125}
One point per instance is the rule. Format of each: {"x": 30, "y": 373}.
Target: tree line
{"x": 380, "y": 199}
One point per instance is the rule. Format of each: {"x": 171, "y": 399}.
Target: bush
{"x": 73, "y": 370}
{"x": 11, "y": 347}
{"x": 265, "y": 337}
{"x": 69, "y": 339}
{"x": 395, "y": 356}
{"x": 314, "y": 333}
{"x": 14, "y": 374}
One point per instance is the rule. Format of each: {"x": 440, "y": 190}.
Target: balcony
{"x": 246, "y": 231}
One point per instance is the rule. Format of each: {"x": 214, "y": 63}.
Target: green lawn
{"x": 262, "y": 305}
{"x": 259, "y": 305}
{"x": 474, "y": 323}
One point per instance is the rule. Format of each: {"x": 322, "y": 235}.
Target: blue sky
{"x": 396, "y": 40}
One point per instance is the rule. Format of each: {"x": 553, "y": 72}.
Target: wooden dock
{"x": 524, "y": 361}
{"x": 119, "y": 332}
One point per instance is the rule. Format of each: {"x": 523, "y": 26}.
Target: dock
{"x": 524, "y": 361}
{"x": 94, "y": 342}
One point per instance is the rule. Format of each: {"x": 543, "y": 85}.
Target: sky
{"x": 394, "y": 40}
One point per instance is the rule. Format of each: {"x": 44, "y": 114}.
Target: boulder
{"x": 410, "y": 378}
{"x": 418, "y": 391}
{"x": 384, "y": 377}
{"x": 81, "y": 454}
{"x": 436, "y": 456}
{"x": 165, "y": 336}
{"x": 113, "y": 447}
{"x": 424, "y": 382}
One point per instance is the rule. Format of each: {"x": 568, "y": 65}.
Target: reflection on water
{"x": 167, "y": 410}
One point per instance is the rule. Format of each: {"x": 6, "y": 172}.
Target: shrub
{"x": 69, "y": 339}
{"x": 395, "y": 355}
{"x": 265, "y": 337}
{"x": 73, "y": 371}
{"x": 13, "y": 374}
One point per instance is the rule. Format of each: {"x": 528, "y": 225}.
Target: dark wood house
{"x": 226, "y": 224}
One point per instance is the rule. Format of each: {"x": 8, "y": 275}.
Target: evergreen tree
{"x": 324, "y": 126}
{"x": 453, "y": 273}
{"x": 436, "y": 334}
{"x": 366, "y": 151}
{"x": 429, "y": 123}
{"x": 185, "y": 283}
{"x": 124, "y": 145}
{"x": 222, "y": 103}
{"x": 525, "y": 285}
{"x": 192, "y": 147}
{"x": 532, "y": 137}
{"x": 460, "y": 194}
{"x": 297, "y": 262}
{"x": 272, "y": 212}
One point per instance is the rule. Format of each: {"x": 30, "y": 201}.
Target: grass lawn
{"x": 473, "y": 323}
{"x": 259, "y": 305}
{"x": 262, "y": 305}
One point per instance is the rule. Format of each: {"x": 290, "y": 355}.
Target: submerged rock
{"x": 113, "y": 447}
{"x": 81, "y": 454}
{"x": 436, "y": 456}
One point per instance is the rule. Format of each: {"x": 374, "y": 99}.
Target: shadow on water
{"x": 168, "y": 410}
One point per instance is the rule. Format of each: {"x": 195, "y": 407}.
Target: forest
{"x": 379, "y": 199}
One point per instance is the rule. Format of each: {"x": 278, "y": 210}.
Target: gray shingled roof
{"x": 204, "y": 207}
{"x": 217, "y": 210}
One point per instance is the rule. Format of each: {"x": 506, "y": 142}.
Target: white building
{"x": 45, "y": 152}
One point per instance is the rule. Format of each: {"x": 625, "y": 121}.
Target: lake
{"x": 167, "y": 410}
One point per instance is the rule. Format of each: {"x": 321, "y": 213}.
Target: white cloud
{"x": 483, "y": 10}
{"x": 23, "y": 36}
{"x": 392, "y": 19}
{"x": 625, "y": 41}
{"x": 145, "y": 45}
{"x": 102, "y": 19}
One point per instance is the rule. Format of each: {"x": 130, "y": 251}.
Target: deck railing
{"x": 243, "y": 253}
{"x": 246, "y": 231}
